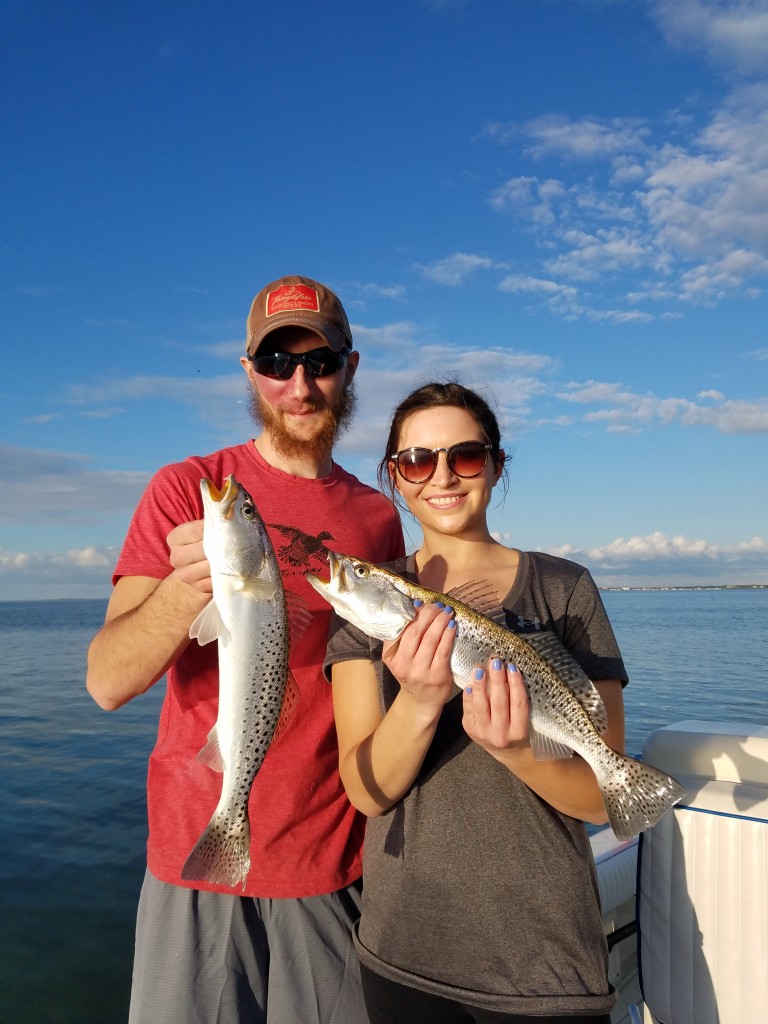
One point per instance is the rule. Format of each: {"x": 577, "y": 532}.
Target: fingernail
{"x": 496, "y": 664}
{"x": 452, "y": 624}
{"x": 479, "y": 673}
{"x": 439, "y": 605}
{"x": 448, "y": 610}
{"x": 468, "y": 689}
{"x": 511, "y": 667}
{"x": 417, "y": 603}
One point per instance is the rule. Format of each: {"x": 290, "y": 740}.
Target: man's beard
{"x": 335, "y": 420}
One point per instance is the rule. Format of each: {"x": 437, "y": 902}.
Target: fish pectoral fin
{"x": 544, "y": 748}
{"x": 208, "y": 625}
{"x": 210, "y": 755}
{"x": 256, "y": 587}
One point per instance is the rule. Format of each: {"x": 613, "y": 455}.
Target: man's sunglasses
{"x": 320, "y": 362}
{"x": 465, "y": 459}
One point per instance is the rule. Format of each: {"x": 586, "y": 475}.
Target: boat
{"x": 685, "y": 904}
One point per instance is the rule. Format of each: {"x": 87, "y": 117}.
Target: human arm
{"x": 147, "y": 622}
{"x": 380, "y": 755}
{"x": 496, "y": 717}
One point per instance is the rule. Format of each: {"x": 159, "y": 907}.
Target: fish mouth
{"x": 334, "y": 570}
{"x": 224, "y": 496}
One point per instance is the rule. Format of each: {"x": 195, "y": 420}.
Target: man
{"x": 278, "y": 950}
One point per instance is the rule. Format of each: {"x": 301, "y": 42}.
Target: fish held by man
{"x": 567, "y": 714}
{"x": 247, "y": 616}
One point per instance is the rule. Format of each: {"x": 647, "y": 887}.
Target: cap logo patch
{"x": 292, "y": 296}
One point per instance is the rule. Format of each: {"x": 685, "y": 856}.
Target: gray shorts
{"x": 211, "y": 958}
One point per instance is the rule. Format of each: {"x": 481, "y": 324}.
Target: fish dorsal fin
{"x": 291, "y": 699}
{"x": 481, "y": 597}
{"x": 210, "y": 755}
{"x": 549, "y": 646}
{"x": 299, "y": 616}
{"x": 208, "y": 625}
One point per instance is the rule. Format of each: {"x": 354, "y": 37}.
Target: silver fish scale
{"x": 552, "y": 684}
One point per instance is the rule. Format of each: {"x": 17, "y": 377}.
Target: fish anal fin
{"x": 208, "y": 625}
{"x": 210, "y": 755}
{"x": 291, "y": 700}
{"x": 481, "y": 597}
{"x": 544, "y": 748}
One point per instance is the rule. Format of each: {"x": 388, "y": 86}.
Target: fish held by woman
{"x": 248, "y": 618}
{"x": 567, "y": 714}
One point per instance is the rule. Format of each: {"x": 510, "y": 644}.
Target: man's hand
{"x": 187, "y": 557}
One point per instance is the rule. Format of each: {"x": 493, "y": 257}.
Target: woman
{"x": 480, "y": 900}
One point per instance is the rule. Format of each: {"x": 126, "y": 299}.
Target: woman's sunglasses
{"x": 320, "y": 362}
{"x": 465, "y": 459}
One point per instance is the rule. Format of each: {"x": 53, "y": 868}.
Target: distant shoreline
{"x": 697, "y": 586}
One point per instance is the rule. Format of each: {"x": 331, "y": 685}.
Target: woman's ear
{"x": 499, "y": 461}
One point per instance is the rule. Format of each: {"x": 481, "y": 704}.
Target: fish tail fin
{"x": 221, "y": 855}
{"x": 637, "y": 795}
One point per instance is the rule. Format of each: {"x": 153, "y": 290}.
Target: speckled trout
{"x": 247, "y": 616}
{"x": 567, "y": 714}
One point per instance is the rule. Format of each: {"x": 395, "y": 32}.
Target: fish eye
{"x": 361, "y": 571}
{"x": 249, "y": 512}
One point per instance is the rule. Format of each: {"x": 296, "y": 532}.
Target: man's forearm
{"x": 146, "y": 629}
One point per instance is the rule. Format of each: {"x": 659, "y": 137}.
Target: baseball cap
{"x": 297, "y": 302}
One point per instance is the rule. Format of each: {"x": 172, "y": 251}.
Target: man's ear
{"x": 352, "y": 362}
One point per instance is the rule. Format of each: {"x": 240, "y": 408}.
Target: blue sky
{"x": 564, "y": 202}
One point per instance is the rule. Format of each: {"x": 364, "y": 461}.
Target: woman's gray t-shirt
{"x": 476, "y": 889}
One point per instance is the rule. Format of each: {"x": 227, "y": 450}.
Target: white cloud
{"x": 732, "y": 33}
{"x": 38, "y": 485}
{"x": 79, "y": 572}
{"x": 627, "y": 410}
{"x": 669, "y": 213}
{"x": 657, "y": 559}
{"x": 454, "y": 269}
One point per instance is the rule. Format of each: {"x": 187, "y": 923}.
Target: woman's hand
{"x": 496, "y": 707}
{"x": 420, "y": 659}
{"x": 185, "y": 543}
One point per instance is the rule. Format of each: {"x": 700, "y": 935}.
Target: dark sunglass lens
{"x": 276, "y": 365}
{"x": 284, "y": 365}
{"x": 320, "y": 365}
{"x": 467, "y": 460}
{"x": 416, "y": 465}
{"x": 322, "y": 362}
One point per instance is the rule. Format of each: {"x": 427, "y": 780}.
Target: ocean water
{"x": 72, "y": 800}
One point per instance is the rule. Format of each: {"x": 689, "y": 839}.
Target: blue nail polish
{"x": 452, "y": 624}
{"x": 417, "y": 603}
{"x": 468, "y": 689}
{"x": 448, "y": 610}
{"x": 511, "y": 667}
{"x": 496, "y": 664}
{"x": 439, "y": 605}
{"x": 479, "y": 674}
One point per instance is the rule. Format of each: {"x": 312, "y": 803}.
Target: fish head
{"x": 365, "y": 595}
{"x": 235, "y": 539}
